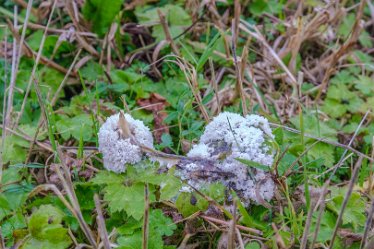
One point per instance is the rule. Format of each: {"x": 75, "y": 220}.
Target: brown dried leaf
{"x": 123, "y": 126}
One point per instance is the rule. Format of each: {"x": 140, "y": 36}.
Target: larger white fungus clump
{"x": 118, "y": 151}
{"x": 230, "y": 137}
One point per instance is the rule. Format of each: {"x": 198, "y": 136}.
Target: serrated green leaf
{"x": 127, "y": 198}
{"x": 354, "y": 212}
{"x": 365, "y": 84}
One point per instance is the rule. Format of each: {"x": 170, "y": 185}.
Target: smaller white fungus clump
{"x": 227, "y": 138}
{"x": 118, "y": 151}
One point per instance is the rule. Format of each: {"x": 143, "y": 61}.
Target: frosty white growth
{"x": 119, "y": 149}
{"x": 227, "y": 138}
{"x": 231, "y": 136}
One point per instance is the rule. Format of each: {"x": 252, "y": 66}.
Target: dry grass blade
{"x": 355, "y": 32}
{"x": 215, "y": 85}
{"x": 54, "y": 189}
{"x": 68, "y": 186}
{"x": 231, "y": 235}
{"x": 167, "y": 32}
{"x": 346, "y": 199}
{"x": 101, "y": 223}
{"x": 240, "y": 239}
{"x": 278, "y": 237}
{"x": 17, "y": 58}
{"x": 191, "y": 77}
{"x": 238, "y": 64}
{"x": 232, "y": 230}
{"x": 2, "y": 242}
{"x": 257, "y": 34}
{"x": 35, "y": 67}
{"x": 225, "y": 223}
{"x": 10, "y": 91}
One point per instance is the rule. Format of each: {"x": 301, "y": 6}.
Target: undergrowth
{"x": 66, "y": 66}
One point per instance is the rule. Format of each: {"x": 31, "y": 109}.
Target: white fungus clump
{"x": 230, "y": 137}
{"x": 118, "y": 151}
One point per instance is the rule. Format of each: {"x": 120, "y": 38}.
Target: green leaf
{"x": 170, "y": 188}
{"x": 159, "y": 226}
{"x": 323, "y": 151}
{"x": 326, "y": 227}
{"x": 253, "y": 164}
{"x": 46, "y": 230}
{"x": 354, "y": 212}
{"x": 365, "y": 84}
{"x": 77, "y": 127}
{"x": 107, "y": 178}
{"x": 14, "y": 149}
{"x": 188, "y": 203}
{"x": 160, "y": 223}
{"x": 315, "y": 127}
{"x": 16, "y": 221}
{"x": 101, "y": 13}
{"x": 208, "y": 52}
{"x": 177, "y": 18}
{"x": 129, "y": 199}
{"x": 334, "y": 108}
{"x": 253, "y": 245}
{"x": 259, "y": 7}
